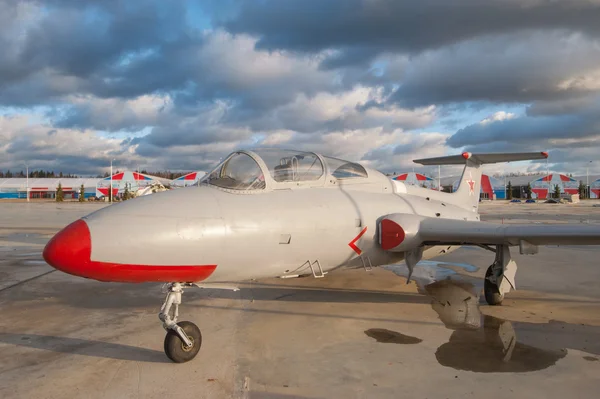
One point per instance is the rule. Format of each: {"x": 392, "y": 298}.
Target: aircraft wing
{"x": 404, "y": 232}
{"x": 471, "y": 232}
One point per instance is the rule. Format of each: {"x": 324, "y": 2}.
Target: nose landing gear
{"x": 183, "y": 339}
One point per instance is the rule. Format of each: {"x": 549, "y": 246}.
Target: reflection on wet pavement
{"x": 483, "y": 343}
{"x": 494, "y": 348}
{"x": 391, "y": 337}
{"x": 428, "y": 271}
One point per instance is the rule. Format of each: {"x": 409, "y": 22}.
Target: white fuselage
{"x": 266, "y": 234}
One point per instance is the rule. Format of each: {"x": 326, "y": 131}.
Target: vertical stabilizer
{"x": 469, "y": 186}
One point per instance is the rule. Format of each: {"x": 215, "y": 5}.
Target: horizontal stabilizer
{"x": 481, "y": 159}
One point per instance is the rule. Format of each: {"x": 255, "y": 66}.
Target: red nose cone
{"x": 70, "y": 249}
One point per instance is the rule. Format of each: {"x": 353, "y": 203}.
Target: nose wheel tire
{"x": 491, "y": 291}
{"x": 176, "y": 349}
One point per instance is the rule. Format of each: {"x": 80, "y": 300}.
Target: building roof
{"x": 188, "y": 179}
{"x": 134, "y": 176}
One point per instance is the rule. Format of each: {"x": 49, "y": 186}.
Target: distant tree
{"x": 127, "y": 194}
{"x": 509, "y": 190}
{"x": 60, "y": 195}
{"x": 556, "y": 191}
{"x": 59, "y": 175}
{"x": 581, "y": 190}
{"x": 9, "y": 174}
{"x": 529, "y": 191}
{"x": 81, "y": 193}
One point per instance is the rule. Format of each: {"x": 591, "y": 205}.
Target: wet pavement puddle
{"x": 484, "y": 343}
{"x": 391, "y": 337}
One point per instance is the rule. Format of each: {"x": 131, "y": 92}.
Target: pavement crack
{"x": 27, "y": 280}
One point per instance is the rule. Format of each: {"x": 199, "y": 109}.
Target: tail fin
{"x": 470, "y": 183}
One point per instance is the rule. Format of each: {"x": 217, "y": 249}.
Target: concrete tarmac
{"x": 352, "y": 334}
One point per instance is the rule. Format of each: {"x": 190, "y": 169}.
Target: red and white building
{"x": 134, "y": 181}
{"x": 417, "y": 179}
{"x": 540, "y": 187}
{"x": 188, "y": 180}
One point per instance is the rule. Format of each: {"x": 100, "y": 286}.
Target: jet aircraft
{"x": 282, "y": 213}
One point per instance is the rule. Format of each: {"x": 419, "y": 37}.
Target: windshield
{"x": 239, "y": 172}
{"x": 341, "y": 169}
{"x": 291, "y": 166}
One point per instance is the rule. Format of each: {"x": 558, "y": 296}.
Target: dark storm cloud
{"x": 531, "y": 128}
{"x": 406, "y": 26}
{"x": 561, "y": 107}
{"x": 91, "y": 47}
{"x": 509, "y": 68}
{"x": 527, "y": 129}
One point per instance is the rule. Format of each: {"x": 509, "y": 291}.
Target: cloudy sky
{"x": 179, "y": 84}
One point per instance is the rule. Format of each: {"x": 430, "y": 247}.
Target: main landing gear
{"x": 500, "y": 276}
{"x": 183, "y": 339}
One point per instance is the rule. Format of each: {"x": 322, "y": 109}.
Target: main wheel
{"x": 175, "y": 348}
{"x": 492, "y": 293}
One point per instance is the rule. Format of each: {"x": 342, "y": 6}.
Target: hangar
{"x": 132, "y": 181}
{"x": 595, "y": 189}
{"x": 188, "y": 180}
{"x": 45, "y": 188}
{"x": 542, "y": 186}
{"x": 417, "y": 179}
{"x": 491, "y": 188}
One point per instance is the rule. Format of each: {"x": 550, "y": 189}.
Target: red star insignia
{"x": 471, "y": 186}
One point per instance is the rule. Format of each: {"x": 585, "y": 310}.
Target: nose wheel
{"x": 176, "y": 349}
{"x": 183, "y": 339}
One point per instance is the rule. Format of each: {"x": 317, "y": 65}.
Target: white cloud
{"x": 48, "y": 148}
{"x": 498, "y": 116}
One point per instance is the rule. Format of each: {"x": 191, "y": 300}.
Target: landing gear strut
{"x": 500, "y": 276}
{"x": 183, "y": 339}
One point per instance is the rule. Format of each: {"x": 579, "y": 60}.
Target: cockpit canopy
{"x": 255, "y": 170}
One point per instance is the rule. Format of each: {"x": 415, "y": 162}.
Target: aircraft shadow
{"x": 283, "y": 293}
{"x": 268, "y": 395}
{"x": 77, "y": 346}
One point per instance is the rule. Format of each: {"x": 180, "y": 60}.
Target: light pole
{"x": 548, "y": 178}
{"x": 111, "y": 184}
{"x": 27, "y": 181}
{"x": 587, "y": 179}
